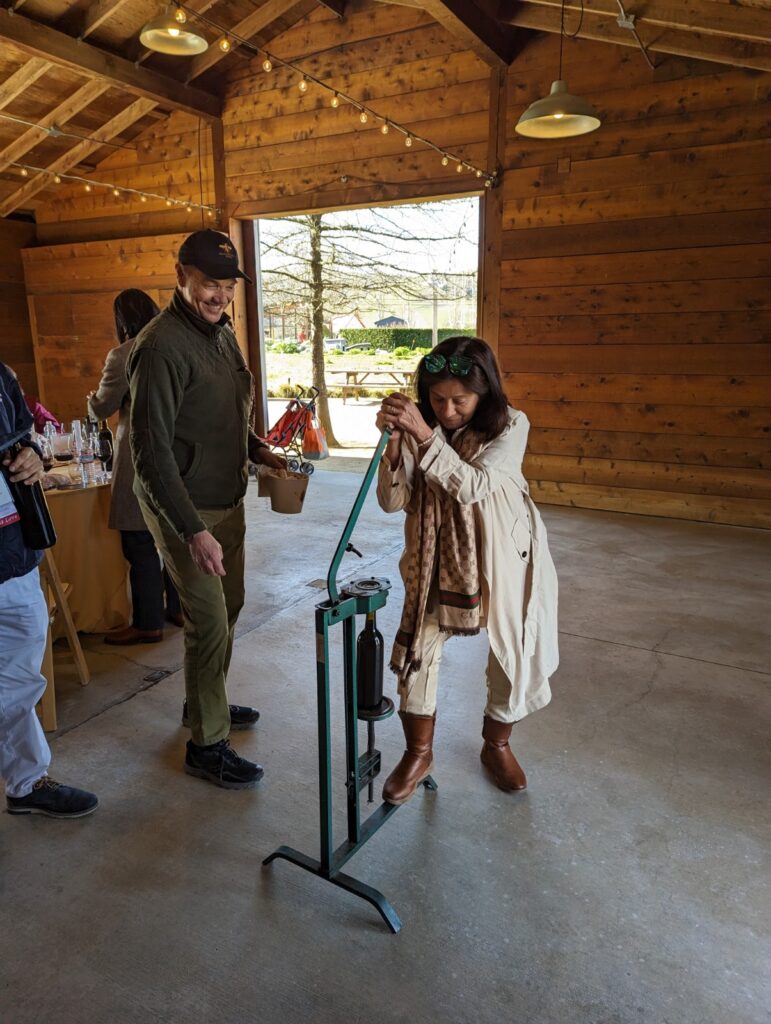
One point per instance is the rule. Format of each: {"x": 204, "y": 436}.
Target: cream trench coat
{"x": 510, "y": 537}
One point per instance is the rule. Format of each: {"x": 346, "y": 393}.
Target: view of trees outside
{"x": 323, "y": 273}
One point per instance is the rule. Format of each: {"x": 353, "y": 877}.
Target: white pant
{"x": 24, "y": 752}
{"x": 419, "y": 697}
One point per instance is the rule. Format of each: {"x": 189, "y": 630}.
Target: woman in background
{"x": 133, "y": 309}
{"x": 476, "y": 554}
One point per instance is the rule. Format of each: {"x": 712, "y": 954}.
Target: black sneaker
{"x": 221, "y": 765}
{"x": 240, "y": 717}
{"x": 54, "y": 800}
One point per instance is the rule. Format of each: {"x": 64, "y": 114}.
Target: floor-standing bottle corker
{"x": 106, "y": 446}
{"x": 37, "y": 527}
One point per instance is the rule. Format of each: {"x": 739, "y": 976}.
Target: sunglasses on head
{"x": 459, "y": 366}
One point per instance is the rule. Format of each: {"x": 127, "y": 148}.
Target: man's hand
{"x": 206, "y": 552}
{"x": 26, "y": 468}
{"x": 268, "y": 458}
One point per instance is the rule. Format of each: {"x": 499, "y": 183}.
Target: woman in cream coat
{"x": 476, "y": 554}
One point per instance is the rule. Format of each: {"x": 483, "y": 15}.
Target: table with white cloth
{"x": 88, "y": 556}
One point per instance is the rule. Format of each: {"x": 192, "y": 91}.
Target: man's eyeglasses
{"x": 459, "y": 366}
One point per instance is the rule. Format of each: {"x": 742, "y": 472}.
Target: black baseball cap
{"x": 213, "y": 253}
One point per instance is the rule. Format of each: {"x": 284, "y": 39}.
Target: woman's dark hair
{"x": 133, "y": 309}
{"x": 492, "y": 413}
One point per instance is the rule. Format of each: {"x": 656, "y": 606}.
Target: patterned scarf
{"x": 459, "y": 585}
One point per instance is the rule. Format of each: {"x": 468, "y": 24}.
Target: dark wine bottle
{"x": 106, "y": 446}
{"x": 369, "y": 665}
{"x": 37, "y": 527}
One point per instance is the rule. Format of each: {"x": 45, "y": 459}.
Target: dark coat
{"x": 16, "y": 559}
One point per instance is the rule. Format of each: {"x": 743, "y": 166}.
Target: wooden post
{"x": 491, "y": 219}
{"x": 254, "y": 334}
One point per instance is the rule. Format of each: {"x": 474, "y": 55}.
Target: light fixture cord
{"x": 562, "y": 36}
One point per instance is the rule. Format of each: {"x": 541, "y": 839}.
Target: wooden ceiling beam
{"x": 484, "y": 35}
{"x": 130, "y": 115}
{"x": 336, "y": 6}
{"x": 59, "y": 115}
{"x": 249, "y": 26}
{"x": 21, "y": 79}
{"x": 677, "y": 42}
{"x": 697, "y": 16}
{"x": 97, "y": 14}
{"x": 41, "y": 41}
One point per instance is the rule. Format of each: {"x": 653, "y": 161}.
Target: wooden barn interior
{"x": 624, "y": 284}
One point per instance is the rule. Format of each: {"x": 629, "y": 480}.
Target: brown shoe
{"x": 497, "y": 756}
{"x": 132, "y": 635}
{"x": 417, "y": 760}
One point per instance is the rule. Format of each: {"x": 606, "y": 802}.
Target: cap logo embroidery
{"x": 226, "y": 248}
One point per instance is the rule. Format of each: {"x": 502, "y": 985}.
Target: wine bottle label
{"x": 8, "y": 513}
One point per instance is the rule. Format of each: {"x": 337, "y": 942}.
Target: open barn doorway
{"x": 351, "y": 300}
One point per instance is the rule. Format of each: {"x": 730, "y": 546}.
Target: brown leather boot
{"x": 497, "y": 756}
{"x": 417, "y": 760}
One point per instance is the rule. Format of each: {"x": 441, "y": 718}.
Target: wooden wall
{"x": 70, "y": 290}
{"x": 635, "y": 324}
{"x": 16, "y": 348}
{"x": 289, "y": 151}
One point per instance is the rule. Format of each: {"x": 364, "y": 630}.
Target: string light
{"x": 119, "y": 191}
{"x": 270, "y": 62}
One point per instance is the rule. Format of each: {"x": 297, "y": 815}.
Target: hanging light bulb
{"x": 303, "y": 84}
{"x": 210, "y": 213}
{"x": 168, "y": 202}
{"x": 168, "y": 34}
{"x": 87, "y": 187}
{"x": 488, "y": 182}
{"x": 224, "y": 44}
{"x": 386, "y": 128}
{"x": 335, "y": 101}
{"x": 267, "y": 65}
{"x": 445, "y": 160}
{"x": 479, "y": 174}
{"x": 189, "y": 208}
{"x": 143, "y": 198}
{"x": 408, "y": 141}
{"x": 459, "y": 168}
{"x": 24, "y": 172}
{"x": 116, "y": 192}
{"x": 57, "y": 179}
{"x": 559, "y": 115}
{"x": 363, "y": 117}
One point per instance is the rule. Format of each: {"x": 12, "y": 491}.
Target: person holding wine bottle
{"x": 149, "y": 581}
{"x": 24, "y": 752}
{"x": 476, "y": 554}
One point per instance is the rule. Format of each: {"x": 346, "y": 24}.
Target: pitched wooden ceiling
{"x": 75, "y": 82}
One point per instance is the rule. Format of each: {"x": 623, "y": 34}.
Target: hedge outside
{"x": 396, "y": 337}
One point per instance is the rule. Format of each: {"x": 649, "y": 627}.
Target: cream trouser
{"x": 419, "y": 696}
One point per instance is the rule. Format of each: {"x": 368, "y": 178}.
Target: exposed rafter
{"x": 78, "y": 153}
{"x": 41, "y": 41}
{"x": 730, "y": 36}
{"x": 32, "y": 137}
{"x": 493, "y": 42}
{"x": 22, "y": 79}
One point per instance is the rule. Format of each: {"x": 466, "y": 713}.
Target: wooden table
{"x": 88, "y": 556}
{"x": 375, "y": 376}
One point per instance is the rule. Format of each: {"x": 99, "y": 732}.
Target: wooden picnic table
{"x": 375, "y": 376}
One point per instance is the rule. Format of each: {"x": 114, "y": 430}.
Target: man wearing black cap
{"x": 191, "y": 396}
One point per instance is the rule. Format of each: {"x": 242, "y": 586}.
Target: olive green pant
{"x": 211, "y": 605}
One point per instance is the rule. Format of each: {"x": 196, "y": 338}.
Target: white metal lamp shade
{"x": 558, "y": 116}
{"x": 165, "y": 34}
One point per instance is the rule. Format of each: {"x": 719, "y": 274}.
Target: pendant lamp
{"x": 167, "y": 34}
{"x": 559, "y": 115}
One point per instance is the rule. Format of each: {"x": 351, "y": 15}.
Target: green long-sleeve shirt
{"x": 191, "y": 398}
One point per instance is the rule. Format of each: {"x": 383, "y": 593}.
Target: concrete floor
{"x": 626, "y": 886}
